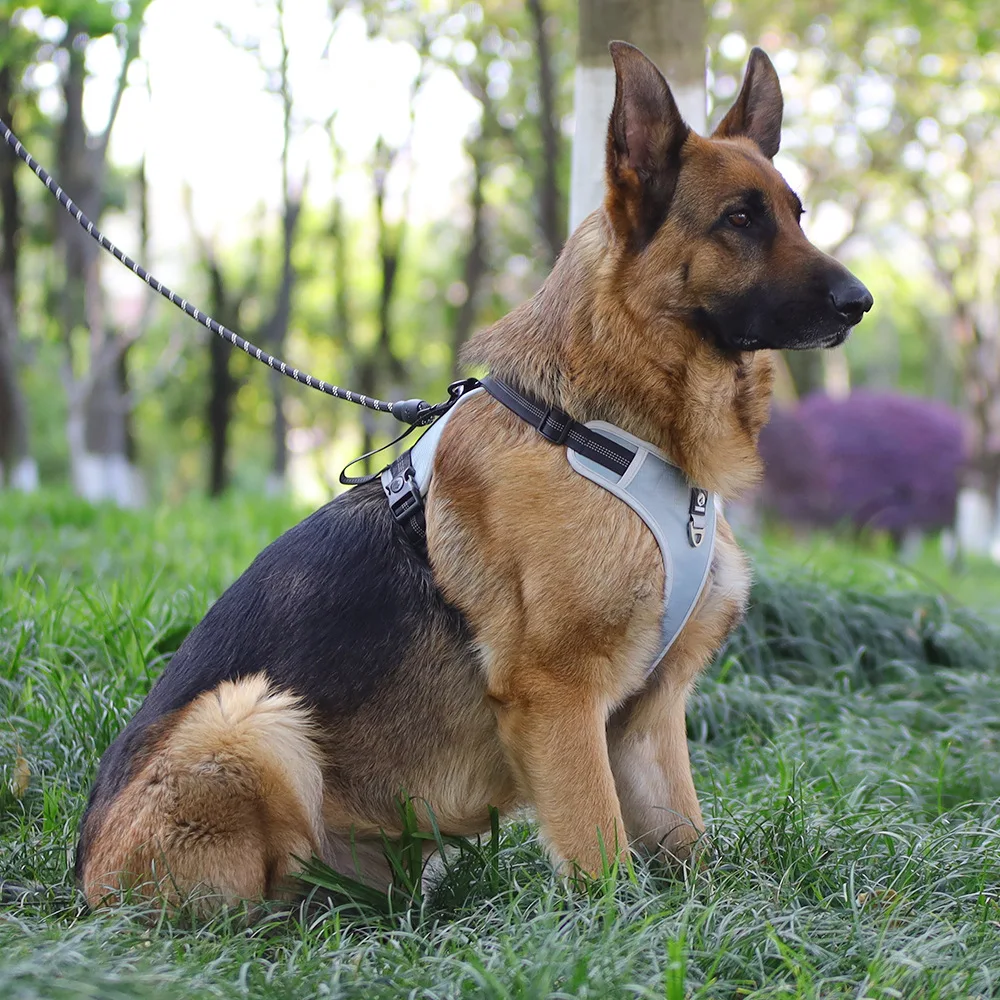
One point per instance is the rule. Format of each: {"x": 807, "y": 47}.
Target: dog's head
{"x": 709, "y": 227}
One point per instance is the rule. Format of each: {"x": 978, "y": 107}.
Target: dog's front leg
{"x": 555, "y": 736}
{"x": 648, "y": 749}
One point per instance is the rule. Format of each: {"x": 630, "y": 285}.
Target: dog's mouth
{"x": 764, "y": 320}
{"x": 825, "y": 341}
{"x": 775, "y": 335}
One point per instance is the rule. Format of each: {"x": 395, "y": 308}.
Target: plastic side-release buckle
{"x": 406, "y": 505}
{"x": 697, "y": 516}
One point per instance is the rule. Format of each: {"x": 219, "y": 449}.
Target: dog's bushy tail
{"x": 231, "y": 796}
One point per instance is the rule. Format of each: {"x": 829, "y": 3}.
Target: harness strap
{"x": 559, "y": 427}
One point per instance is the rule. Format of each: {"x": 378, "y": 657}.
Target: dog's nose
{"x": 851, "y": 299}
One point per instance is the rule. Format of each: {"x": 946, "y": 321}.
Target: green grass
{"x": 846, "y": 746}
{"x": 840, "y": 557}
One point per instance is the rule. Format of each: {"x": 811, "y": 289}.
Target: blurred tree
{"x": 94, "y": 371}
{"x": 17, "y": 467}
{"x": 550, "y": 200}
{"x": 273, "y": 331}
{"x": 224, "y": 306}
{"x": 672, "y": 34}
{"x": 893, "y": 123}
{"x": 514, "y": 61}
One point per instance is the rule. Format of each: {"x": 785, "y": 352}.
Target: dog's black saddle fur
{"x": 331, "y": 611}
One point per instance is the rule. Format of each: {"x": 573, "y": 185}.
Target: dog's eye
{"x": 739, "y": 219}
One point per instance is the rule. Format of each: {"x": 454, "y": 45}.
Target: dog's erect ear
{"x": 645, "y": 136}
{"x": 757, "y": 111}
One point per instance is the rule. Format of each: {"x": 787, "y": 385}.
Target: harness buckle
{"x": 554, "y": 426}
{"x": 697, "y": 516}
{"x": 403, "y": 495}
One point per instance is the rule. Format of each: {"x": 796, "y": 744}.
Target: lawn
{"x": 845, "y": 746}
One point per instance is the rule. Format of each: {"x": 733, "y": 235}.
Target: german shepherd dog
{"x": 507, "y": 665}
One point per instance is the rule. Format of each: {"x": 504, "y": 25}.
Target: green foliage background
{"x": 891, "y": 116}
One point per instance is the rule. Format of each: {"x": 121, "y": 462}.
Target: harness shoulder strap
{"x": 407, "y": 480}
{"x": 681, "y": 517}
{"x": 559, "y": 427}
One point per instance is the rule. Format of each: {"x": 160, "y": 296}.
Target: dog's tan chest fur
{"x": 562, "y": 584}
{"x": 547, "y": 567}
{"x": 544, "y": 561}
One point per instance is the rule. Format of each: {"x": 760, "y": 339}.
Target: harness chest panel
{"x": 682, "y": 518}
{"x": 661, "y": 495}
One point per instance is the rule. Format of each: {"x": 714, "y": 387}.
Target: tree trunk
{"x": 98, "y": 405}
{"x": 221, "y": 384}
{"x": 672, "y": 34}
{"x": 982, "y": 387}
{"x": 339, "y": 235}
{"x": 279, "y": 435}
{"x": 475, "y": 255}
{"x": 276, "y": 335}
{"x": 105, "y": 469}
{"x": 390, "y": 249}
{"x": 17, "y": 468}
{"x": 277, "y": 326}
{"x": 549, "y": 197}
{"x": 219, "y": 415}
{"x": 977, "y": 522}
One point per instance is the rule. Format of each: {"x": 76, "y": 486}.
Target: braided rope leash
{"x": 407, "y": 411}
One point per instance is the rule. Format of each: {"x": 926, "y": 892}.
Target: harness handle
{"x": 427, "y": 413}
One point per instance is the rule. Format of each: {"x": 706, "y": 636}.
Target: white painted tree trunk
{"x": 672, "y": 34}
{"x": 98, "y": 402}
{"x": 100, "y": 475}
{"x": 23, "y": 475}
{"x": 18, "y": 469}
{"x": 977, "y": 531}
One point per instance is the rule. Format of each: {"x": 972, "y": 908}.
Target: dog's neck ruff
{"x": 681, "y": 517}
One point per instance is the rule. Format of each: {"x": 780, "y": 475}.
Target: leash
{"x": 415, "y": 412}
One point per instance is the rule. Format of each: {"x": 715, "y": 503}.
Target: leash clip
{"x": 698, "y": 514}
{"x": 459, "y": 388}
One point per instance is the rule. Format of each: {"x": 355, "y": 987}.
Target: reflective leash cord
{"x": 415, "y": 412}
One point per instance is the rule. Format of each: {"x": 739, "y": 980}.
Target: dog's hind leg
{"x": 229, "y": 797}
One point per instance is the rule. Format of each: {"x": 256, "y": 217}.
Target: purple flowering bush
{"x": 873, "y": 460}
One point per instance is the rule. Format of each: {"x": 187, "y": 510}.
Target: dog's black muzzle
{"x": 820, "y": 312}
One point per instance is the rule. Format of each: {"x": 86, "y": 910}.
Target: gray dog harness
{"x": 681, "y": 517}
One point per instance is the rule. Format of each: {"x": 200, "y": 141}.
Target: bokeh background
{"x": 358, "y": 186}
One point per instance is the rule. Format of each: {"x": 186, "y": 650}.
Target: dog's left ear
{"x": 645, "y": 136}
{"x": 757, "y": 111}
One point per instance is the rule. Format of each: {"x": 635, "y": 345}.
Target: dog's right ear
{"x": 645, "y": 136}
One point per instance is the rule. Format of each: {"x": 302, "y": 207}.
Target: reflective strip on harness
{"x": 681, "y": 517}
